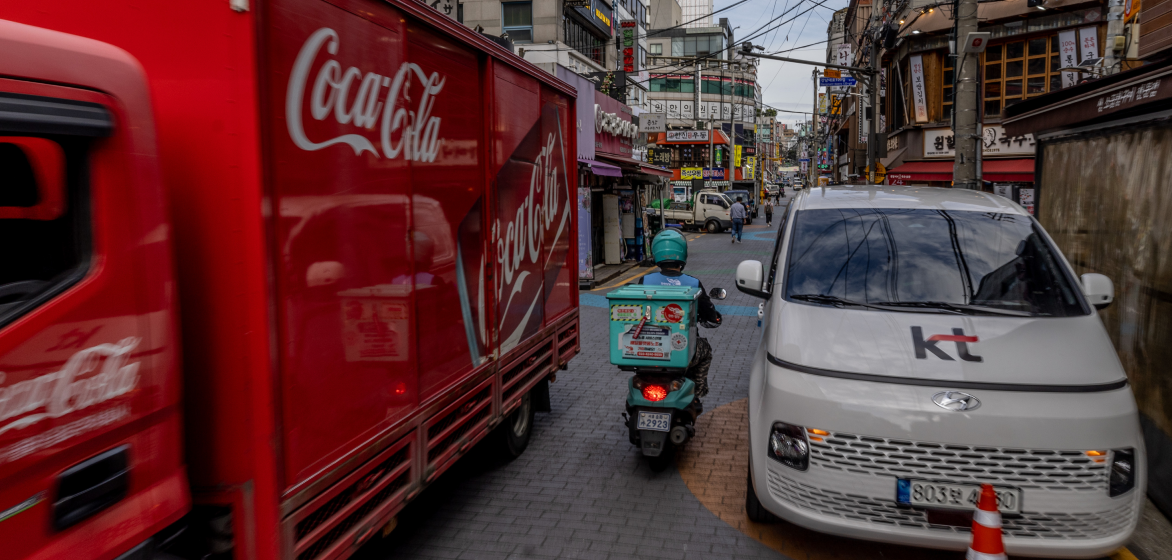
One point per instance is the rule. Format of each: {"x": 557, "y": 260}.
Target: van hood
{"x": 948, "y": 348}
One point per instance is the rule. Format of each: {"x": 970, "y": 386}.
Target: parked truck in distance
{"x": 270, "y": 269}
{"x": 708, "y": 210}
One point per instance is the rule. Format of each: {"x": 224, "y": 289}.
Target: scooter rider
{"x": 670, "y": 251}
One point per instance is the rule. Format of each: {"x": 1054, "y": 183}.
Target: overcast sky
{"x": 784, "y": 85}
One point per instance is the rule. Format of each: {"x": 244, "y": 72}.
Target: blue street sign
{"x": 804, "y": 160}
{"x": 834, "y": 82}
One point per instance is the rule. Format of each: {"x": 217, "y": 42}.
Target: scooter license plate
{"x": 655, "y": 421}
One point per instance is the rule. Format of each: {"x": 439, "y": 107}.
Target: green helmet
{"x": 669, "y": 246}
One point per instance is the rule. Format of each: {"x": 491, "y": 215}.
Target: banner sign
{"x": 651, "y": 122}
{"x": 844, "y": 56}
{"x": 1088, "y": 40}
{"x": 1068, "y": 45}
{"x": 919, "y": 95}
{"x": 833, "y": 82}
{"x": 688, "y": 173}
{"x": 687, "y": 136}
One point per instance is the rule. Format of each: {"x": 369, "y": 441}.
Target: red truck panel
{"x": 372, "y": 211}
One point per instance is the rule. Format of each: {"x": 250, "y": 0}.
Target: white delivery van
{"x": 919, "y": 342}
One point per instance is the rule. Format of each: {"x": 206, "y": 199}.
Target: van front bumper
{"x": 879, "y": 432}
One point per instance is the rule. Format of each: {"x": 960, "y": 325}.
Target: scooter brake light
{"x": 655, "y": 392}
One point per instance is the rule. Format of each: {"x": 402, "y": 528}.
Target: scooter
{"x": 662, "y": 407}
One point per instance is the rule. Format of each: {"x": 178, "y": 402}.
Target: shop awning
{"x": 601, "y": 169}
{"x": 922, "y": 171}
{"x": 1017, "y": 170}
{"x": 656, "y": 171}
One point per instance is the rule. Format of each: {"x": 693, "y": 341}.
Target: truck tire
{"x": 753, "y": 508}
{"x": 712, "y": 226}
{"x": 515, "y": 431}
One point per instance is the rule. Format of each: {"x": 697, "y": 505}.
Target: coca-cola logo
{"x": 400, "y": 106}
{"x": 72, "y": 388}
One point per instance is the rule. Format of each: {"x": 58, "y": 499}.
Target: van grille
{"x": 1022, "y": 468}
{"x": 1028, "y": 525}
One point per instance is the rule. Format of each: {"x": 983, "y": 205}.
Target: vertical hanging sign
{"x": 628, "y": 48}
{"x": 919, "y": 95}
{"x": 1068, "y": 46}
{"x": 1088, "y": 43}
{"x": 844, "y": 57}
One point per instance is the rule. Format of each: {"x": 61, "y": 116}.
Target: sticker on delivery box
{"x": 679, "y": 341}
{"x": 670, "y": 313}
{"x": 653, "y": 343}
{"x": 626, "y": 312}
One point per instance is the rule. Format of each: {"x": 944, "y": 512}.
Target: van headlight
{"x": 788, "y": 446}
{"x": 1122, "y": 474}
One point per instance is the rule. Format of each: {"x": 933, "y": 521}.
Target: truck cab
{"x": 89, "y": 378}
{"x": 708, "y": 210}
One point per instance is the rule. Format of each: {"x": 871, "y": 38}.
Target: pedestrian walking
{"x": 769, "y": 212}
{"x": 737, "y": 215}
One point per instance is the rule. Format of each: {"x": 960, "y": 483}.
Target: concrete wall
{"x": 664, "y": 14}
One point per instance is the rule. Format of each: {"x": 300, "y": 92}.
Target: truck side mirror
{"x": 35, "y": 179}
{"x": 1098, "y": 289}
{"x": 750, "y": 276}
{"x": 717, "y": 293}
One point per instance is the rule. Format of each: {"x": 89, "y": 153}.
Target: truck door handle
{"x": 91, "y": 486}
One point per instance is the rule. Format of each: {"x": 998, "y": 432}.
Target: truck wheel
{"x": 514, "y": 433}
{"x": 712, "y": 227}
{"x": 753, "y": 507}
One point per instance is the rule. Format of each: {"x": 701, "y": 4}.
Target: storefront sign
{"x": 687, "y": 136}
{"x": 614, "y": 131}
{"x": 651, "y": 122}
{"x": 658, "y": 156}
{"x": 1128, "y": 96}
{"x": 628, "y": 29}
{"x": 737, "y": 156}
{"x": 750, "y": 167}
{"x": 939, "y": 143}
{"x": 714, "y": 174}
{"x": 844, "y": 56}
{"x": 1068, "y": 46}
{"x": 688, "y": 173}
{"x": 919, "y": 94}
{"x": 598, "y": 13}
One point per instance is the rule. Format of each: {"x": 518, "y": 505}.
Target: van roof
{"x": 888, "y": 196}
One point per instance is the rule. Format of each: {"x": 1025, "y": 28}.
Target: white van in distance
{"x": 919, "y": 342}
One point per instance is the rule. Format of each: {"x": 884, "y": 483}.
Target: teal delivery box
{"x": 653, "y": 326}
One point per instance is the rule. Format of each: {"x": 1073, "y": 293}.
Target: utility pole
{"x": 965, "y": 133}
{"x": 812, "y": 137}
{"x": 873, "y": 124}
{"x": 1115, "y": 28}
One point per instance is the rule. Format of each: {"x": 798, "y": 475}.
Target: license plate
{"x": 943, "y": 495}
{"x": 655, "y": 421}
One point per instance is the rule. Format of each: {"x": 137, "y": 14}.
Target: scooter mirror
{"x": 717, "y": 293}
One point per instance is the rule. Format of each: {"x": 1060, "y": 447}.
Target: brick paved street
{"x": 581, "y": 490}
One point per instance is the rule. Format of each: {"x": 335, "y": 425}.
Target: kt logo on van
{"x": 925, "y": 345}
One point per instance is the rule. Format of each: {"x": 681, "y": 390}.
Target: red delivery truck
{"x": 269, "y": 268}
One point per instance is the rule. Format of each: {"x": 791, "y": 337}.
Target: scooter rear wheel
{"x": 662, "y": 462}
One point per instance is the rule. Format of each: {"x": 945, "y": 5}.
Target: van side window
{"x": 44, "y": 203}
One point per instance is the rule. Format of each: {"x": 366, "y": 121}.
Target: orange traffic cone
{"x": 986, "y": 543}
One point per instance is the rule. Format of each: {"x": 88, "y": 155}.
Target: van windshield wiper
{"x": 837, "y": 301}
{"x": 957, "y": 307}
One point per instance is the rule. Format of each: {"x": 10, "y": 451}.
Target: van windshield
{"x": 927, "y": 260}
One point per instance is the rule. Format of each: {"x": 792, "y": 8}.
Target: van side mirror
{"x": 717, "y": 293}
{"x": 750, "y": 276}
{"x": 34, "y": 186}
{"x": 1098, "y": 289}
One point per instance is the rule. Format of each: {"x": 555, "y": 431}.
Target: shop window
{"x": 583, "y": 41}
{"x": 948, "y": 81}
{"x": 673, "y": 84}
{"x": 1019, "y": 70}
{"x": 517, "y": 21}
{"x": 693, "y": 46}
